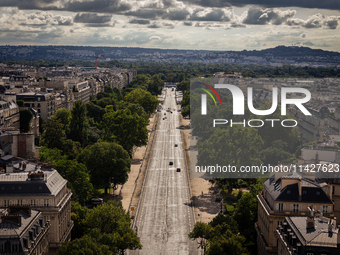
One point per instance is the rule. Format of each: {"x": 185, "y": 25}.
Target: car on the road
{"x": 178, "y": 169}
{"x": 163, "y": 118}
{"x": 176, "y": 145}
{"x": 165, "y": 113}
{"x": 171, "y": 163}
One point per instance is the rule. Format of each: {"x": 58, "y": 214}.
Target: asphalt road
{"x": 165, "y": 217}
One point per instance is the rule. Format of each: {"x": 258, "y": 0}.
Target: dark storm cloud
{"x": 92, "y": 18}
{"x": 212, "y": 15}
{"x": 101, "y": 6}
{"x": 140, "y": 21}
{"x": 257, "y": 16}
{"x": 329, "y": 4}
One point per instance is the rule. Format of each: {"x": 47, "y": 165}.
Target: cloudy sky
{"x": 172, "y": 24}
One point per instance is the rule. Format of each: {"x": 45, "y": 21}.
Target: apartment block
{"x": 288, "y": 195}
{"x": 311, "y": 235}
{"x": 23, "y": 231}
{"x": 43, "y": 102}
{"x": 42, "y": 188}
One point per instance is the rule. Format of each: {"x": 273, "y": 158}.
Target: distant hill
{"x": 67, "y": 53}
{"x": 290, "y": 51}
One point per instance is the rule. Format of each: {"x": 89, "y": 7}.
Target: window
{"x": 318, "y": 193}
{"x": 325, "y": 209}
{"x": 32, "y": 105}
{"x": 280, "y": 206}
{"x": 310, "y": 253}
{"x": 46, "y": 202}
{"x": 6, "y": 203}
{"x": 279, "y": 223}
{"x": 288, "y": 192}
{"x": 15, "y": 248}
{"x": 304, "y": 192}
{"x": 295, "y": 207}
{"x": 32, "y": 202}
{"x": 38, "y": 104}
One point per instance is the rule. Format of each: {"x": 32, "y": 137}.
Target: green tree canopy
{"x": 64, "y": 115}
{"x": 94, "y": 111}
{"x": 105, "y": 161}
{"x": 113, "y": 225}
{"x": 125, "y": 128}
{"x": 79, "y": 123}
{"x": 26, "y": 117}
{"x": 54, "y": 135}
{"x": 85, "y": 245}
{"x": 143, "y": 98}
{"x": 78, "y": 177}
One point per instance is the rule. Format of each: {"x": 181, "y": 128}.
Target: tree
{"x": 155, "y": 85}
{"x": 106, "y": 162}
{"x": 78, "y": 215}
{"x": 246, "y": 215}
{"x": 103, "y": 102}
{"x": 94, "y": 111}
{"x": 143, "y": 98}
{"x": 50, "y": 154}
{"x": 85, "y": 245}
{"x": 78, "y": 177}
{"x": 79, "y": 123}
{"x": 54, "y": 135}
{"x": 113, "y": 223}
{"x": 26, "y": 117}
{"x": 186, "y": 104}
{"x": 64, "y": 115}
{"x": 236, "y": 146}
{"x": 125, "y": 128}
{"x": 134, "y": 108}
{"x": 220, "y": 236}
{"x": 183, "y": 86}
{"x": 20, "y": 103}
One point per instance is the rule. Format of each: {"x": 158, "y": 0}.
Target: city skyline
{"x": 194, "y": 24}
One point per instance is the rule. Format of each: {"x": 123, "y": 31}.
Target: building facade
{"x": 289, "y": 195}
{"x": 42, "y": 188}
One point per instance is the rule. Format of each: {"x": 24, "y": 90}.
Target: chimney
{"x": 316, "y": 158}
{"x": 300, "y": 188}
{"x": 310, "y": 223}
{"x": 330, "y": 225}
{"x": 9, "y": 168}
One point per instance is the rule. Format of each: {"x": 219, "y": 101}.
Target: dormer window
{"x": 288, "y": 192}
{"x": 318, "y": 193}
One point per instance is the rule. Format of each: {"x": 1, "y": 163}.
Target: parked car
{"x": 171, "y": 163}
{"x": 178, "y": 169}
{"x": 176, "y": 145}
